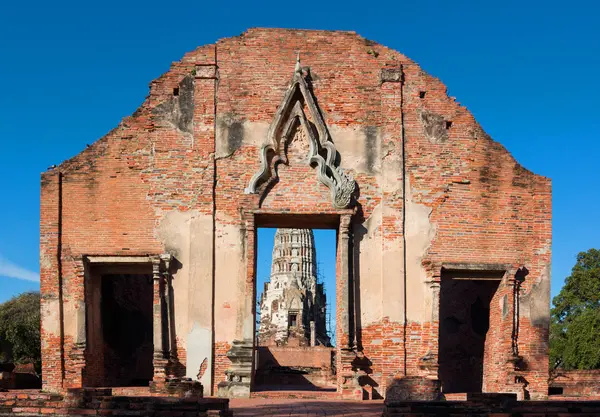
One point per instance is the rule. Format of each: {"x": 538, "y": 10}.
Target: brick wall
{"x": 311, "y": 357}
{"x": 576, "y": 383}
{"x": 192, "y": 147}
{"x": 77, "y": 403}
{"x": 221, "y": 363}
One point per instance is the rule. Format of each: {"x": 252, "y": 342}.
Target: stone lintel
{"x": 463, "y": 266}
{"x": 132, "y": 259}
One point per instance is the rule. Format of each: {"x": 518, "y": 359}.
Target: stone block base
{"x": 232, "y": 389}
{"x": 178, "y": 387}
{"x": 413, "y": 388}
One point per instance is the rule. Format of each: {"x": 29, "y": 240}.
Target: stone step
{"x": 297, "y": 394}
{"x": 486, "y": 408}
{"x": 94, "y": 403}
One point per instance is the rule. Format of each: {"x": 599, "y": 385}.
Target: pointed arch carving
{"x": 322, "y": 153}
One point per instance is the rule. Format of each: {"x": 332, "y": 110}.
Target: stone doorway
{"x": 241, "y": 375}
{"x": 469, "y": 321}
{"x": 295, "y": 310}
{"x": 119, "y": 325}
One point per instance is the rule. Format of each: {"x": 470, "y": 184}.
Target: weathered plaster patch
{"x": 186, "y": 235}
{"x": 174, "y": 231}
{"x": 367, "y": 248}
{"x": 229, "y": 278}
{"x": 392, "y": 270}
{"x": 234, "y": 132}
{"x": 419, "y": 235}
{"x": 391, "y": 165}
{"x": 80, "y": 337}
{"x": 230, "y": 134}
{"x": 179, "y": 110}
{"x": 199, "y": 349}
{"x": 371, "y": 139}
{"x": 535, "y": 304}
{"x": 352, "y": 144}
{"x": 434, "y": 126}
{"x": 69, "y": 316}
{"x": 50, "y": 317}
{"x": 200, "y": 290}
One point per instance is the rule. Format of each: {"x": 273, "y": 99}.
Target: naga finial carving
{"x": 344, "y": 189}
{"x": 291, "y": 115}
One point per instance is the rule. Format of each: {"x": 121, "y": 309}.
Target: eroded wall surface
{"x": 433, "y": 189}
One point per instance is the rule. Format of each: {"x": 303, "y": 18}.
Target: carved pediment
{"x": 322, "y": 154}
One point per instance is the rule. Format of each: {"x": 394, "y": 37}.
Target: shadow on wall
{"x": 359, "y": 232}
{"x": 287, "y": 368}
{"x": 364, "y": 364}
{"x": 414, "y": 388}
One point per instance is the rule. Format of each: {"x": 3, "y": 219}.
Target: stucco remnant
{"x": 434, "y": 127}
{"x": 199, "y": 352}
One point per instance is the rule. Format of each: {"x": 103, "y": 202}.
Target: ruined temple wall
{"x": 148, "y": 187}
{"x": 255, "y": 70}
{"x": 133, "y": 192}
{"x": 470, "y": 202}
{"x": 467, "y": 199}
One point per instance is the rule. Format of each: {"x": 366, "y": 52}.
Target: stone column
{"x": 348, "y": 386}
{"x": 346, "y": 338}
{"x": 250, "y": 287}
{"x": 168, "y": 297}
{"x": 159, "y": 361}
{"x": 429, "y": 363}
{"x": 312, "y": 333}
{"x": 77, "y": 355}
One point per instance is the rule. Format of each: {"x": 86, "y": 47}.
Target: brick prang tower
{"x": 293, "y": 303}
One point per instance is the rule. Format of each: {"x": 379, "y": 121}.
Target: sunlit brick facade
{"x": 419, "y": 194}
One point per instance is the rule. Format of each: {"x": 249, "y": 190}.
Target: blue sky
{"x": 528, "y": 71}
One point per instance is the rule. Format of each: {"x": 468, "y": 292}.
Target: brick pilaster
{"x": 50, "y": 282}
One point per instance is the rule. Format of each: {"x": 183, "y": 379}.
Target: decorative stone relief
{"x": 290, "y": 117}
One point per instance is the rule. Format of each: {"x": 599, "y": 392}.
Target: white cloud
{"x": 9, "y": 269}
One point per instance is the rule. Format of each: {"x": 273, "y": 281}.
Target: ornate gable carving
{"x": 322, "y": 153}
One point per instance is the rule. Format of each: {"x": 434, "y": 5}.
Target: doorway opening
{"x": 295, "y": 309}
{"x": 464, "y": 332}
{"x": 120, "y": 326}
